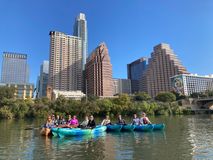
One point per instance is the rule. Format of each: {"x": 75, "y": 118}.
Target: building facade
{"x": 80, "y": 30}
{"x": 121, "y": 86}
{"x": 42, "y": 82}
{"x": 99, "y": 73}
{"x": 135, "y": 71}
{"x": 65, "y": 62}
{"x": 186, "y": 84}
{"x": 76, "y": 95}
{"x": 14, "y": 68}
{"x": 162, "y": 65}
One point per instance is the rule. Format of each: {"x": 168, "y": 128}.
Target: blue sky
{"x": 130, "y": 29}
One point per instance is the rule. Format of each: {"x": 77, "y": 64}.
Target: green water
{"x": 185, "y": 137}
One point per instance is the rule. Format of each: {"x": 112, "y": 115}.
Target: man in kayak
{"x": 135, "y": 120}
{"x": 120, "y": 120}
{"x": 84, "y": 123}
{"x": 106, "y": 121}
{"x": 91, "y": 123}
{"x": 144, "y": 119}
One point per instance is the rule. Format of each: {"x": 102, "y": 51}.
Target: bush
{"x": 165, "y": 97}
{"x": 6, "y": 113}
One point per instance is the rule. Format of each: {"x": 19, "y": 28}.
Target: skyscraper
{"x": 65, "y": 68}
{"x": 14, "y": 68}
{"x": 80, "y": 30}
{"x": 135, "y": 71}
{"x": 99, "y": 73}
{"x": 43, "y": 80}
{"x": 121, "y": 86}
{"x": 162, "y": 65}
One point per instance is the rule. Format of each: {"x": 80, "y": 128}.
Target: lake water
{"x": 185, "y": 137}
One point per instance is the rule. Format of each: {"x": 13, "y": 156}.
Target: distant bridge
{"x": 205, "y": 103}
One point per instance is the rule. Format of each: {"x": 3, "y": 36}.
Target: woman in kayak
{"x": 120, "y": 120}
{"x": 144, "y": 119}
{"x": 135, "y": 120}
{"x": 74, "y": 122}
{"x": 91, "y": 123}
{"x": 106, "y": 121}
{"x": 84, "y": 123}
{"x": 46, "y": 130}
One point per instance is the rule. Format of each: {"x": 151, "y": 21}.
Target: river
{"x": 184, "y": 138}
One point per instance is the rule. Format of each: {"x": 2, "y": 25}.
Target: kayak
{"x": 158, "y": 126}
{"x": 144, "y": 128}
{"x": 114, "y": 128}
{"x": 128, "y": 128}
{"x": 69, "y": 132}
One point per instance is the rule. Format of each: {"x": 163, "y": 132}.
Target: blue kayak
{"x": 114, "y": 128}
{"x": 69, "y": 132}
{"x": 128, "y": 128}
{"x": 158, "y": 126}
{"x": 144, "y": 128}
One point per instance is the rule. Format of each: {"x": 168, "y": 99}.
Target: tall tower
{"x": 162, "y": 65}
{"x": 99, "y": 73}
{"x": 14, "y": 68}
{"x": 65, "y": 62}
{"x": 80, "y": 30}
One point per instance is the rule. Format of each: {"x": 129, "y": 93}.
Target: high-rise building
{"x": 121, "y": 86}
{"x": 162, "y": 65}
{"x": 186, "y": 84}
{"x": 135, "y": 71}
{"x": 99, "y": 73}
{"x": 80, "y": 30}
{"x": 43, "y": 80}
{"x": 65, "y": 62}
{"x": 14, "y": 68}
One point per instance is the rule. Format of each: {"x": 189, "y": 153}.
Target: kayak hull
{"x": 128, "y": 128}
{"x": 158, "y": 126}
{"x": 114, "y": 128}
{"x": 144, "y": 128}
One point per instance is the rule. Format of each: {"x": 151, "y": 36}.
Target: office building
{"x": 14, "y": 68}
{"x": 162, "y": 65}
{"x": 80, "y": 30}
{"x": 121, "y": 86}
{"x": 76, "y": 95}
{"x": 65, "y": 62}
{"x": 186, "y": 84}
{"x": 99, "y": 73}
{"x": 135, "y": 71}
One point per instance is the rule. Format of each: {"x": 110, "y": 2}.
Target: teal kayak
{"x": 69, "y": 132}
{"x": 158, "y": 126}
{"x": 114, "y": 128}
{"x": 128, "y": 127}
{"x": 144, "y": 128}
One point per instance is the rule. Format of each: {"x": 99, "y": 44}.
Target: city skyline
{"x": 190, "y": 41}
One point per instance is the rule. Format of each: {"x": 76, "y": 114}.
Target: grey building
{"x": 121, "y": 86}
{"x": 14, "y": 68}
{"x": 42, "y": 81}
{"x": 135, "y": 71}
{"x": 186, "y": 84}
{"x": 80, "y": 30}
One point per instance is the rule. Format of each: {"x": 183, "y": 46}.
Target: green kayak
{"x": 128, "y": 128}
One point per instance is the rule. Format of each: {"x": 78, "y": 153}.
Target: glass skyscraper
{"x": 14, "y": 68}
{"x": 80, "y": 30}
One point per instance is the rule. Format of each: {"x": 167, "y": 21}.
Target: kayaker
{"x": 120, "y": 120}
{"x": 106, "y": 121}
{"x": 74, "y": 122}
{"x": 47, "y": 127}
{"x": 144, "y": 119}
{"x": 69, "y": 119}
{"x": 84, "y": 123}
{"x": 62, "y": 122}
{"x": 91, "y": 123}
{"x": 57, "y": 120}
{"x": 135, "y": 120}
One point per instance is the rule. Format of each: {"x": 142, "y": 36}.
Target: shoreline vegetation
{"x": 163, "y": 104}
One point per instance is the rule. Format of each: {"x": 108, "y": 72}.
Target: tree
{"x": 7, "y": 92}
{"x": 165, "y": 97}
{"x": 142, "y": 96}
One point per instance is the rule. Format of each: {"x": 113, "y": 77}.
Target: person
{"x": 91, "y": 123}
{"x": 144, "y": 119}
{"x": 62, "y": 122}
{"x": 135, "y": 120}
{"x": 46, "y": 130}
{"x": 106, "y": 121}
{"x": 120, "y": 120}
{"x": 69, "y": 119}
{"x": 53, "y": 118}
{"x": 57, "y": 120}
{"x": 74, "y": 122}
{"x": 84, "y": 123}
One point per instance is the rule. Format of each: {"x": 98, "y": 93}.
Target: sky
{"x": 130, "y": 29}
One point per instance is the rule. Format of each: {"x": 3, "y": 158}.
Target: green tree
{"x": 165, "y": 97}
{"x": 142, "y": 96}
